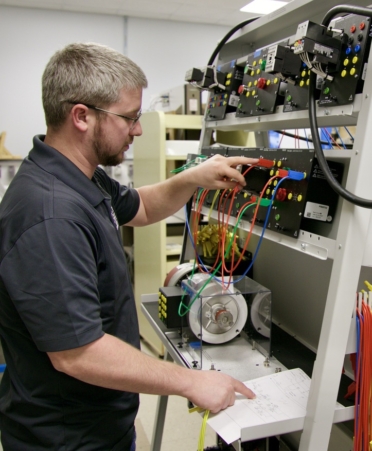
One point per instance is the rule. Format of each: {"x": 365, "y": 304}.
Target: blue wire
{"x": 192, "y": 242}
{"x": 307, "y": 139}
{"x": 259, "y": 241}
{"x": 336, "y": 128}
{"x": 327, "y": 137}
{"x": 263, "y": 231}
{"x": 357, "y": 362}
{"x": 351, "y": 136}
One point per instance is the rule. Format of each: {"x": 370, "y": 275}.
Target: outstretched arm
{"x": 111, "y": 363}
{"x": 165, "y": 198}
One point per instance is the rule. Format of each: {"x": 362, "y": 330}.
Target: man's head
{"x": 87, "y": 73}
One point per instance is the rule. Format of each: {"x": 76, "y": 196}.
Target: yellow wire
{"x": 202, "y": 431}
{"x": 213, "y": 202}
{"x": 203, "y": 427}
{"x": 368, "y": 285}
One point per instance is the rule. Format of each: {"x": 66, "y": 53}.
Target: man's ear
{"x": 80, "y": 117}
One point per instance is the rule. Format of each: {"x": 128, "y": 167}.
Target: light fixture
{"x": 262, "y": 6}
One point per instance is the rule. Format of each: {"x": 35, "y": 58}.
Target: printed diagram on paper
{"x": 279, "y": 397}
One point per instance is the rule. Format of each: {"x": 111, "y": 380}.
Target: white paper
{"x": 279, "y": 397}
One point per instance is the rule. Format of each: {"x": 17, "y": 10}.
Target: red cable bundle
{"x": 363, "y": 379}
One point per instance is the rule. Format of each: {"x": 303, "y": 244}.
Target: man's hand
{"x": 215, "y": 391}
{"x": 219, "y": 172}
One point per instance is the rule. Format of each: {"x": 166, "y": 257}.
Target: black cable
{"x": 335, "y": 185}
{"x": 302, "y": 138}
{"x": 227, "y": 36}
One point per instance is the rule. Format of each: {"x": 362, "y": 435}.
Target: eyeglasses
{"x": 127, "y": 118}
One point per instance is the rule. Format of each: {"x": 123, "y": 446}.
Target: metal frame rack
{"x": 346, "y": 249}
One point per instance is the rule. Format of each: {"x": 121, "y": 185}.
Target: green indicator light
{"x": 246, "y": 69}
{"x": 263, "y": 65}
{"x": 258, "y": 102}
{"x": 326, "y": 90}
{"x": 237, "y": 205}
{"x": 277, "y": 217}
{"x": 289, "y": 98}
{"x": 240, "y": 106}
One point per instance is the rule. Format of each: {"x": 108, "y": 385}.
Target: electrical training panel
{"x": 305, "y": 196}
{"x": 278, "y": 74}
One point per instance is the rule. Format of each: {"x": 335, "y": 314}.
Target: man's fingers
{"x": 244, "y": 390}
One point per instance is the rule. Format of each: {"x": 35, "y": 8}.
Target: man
{"x": 68, "y": 323}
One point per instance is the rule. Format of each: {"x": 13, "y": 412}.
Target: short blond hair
{"x": 88, "y": 73}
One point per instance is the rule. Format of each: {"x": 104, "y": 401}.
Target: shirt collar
{"x": 55, "y": 163}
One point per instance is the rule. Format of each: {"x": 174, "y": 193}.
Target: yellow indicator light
{"x": 253, "y": 93}
{"x": 268, "y": 82}
{"x": 303, "y": 73}
{"x": 268, "y": 191}
{"x": 279, "y": 164}
{"x": 254, "y": 63}
{"x": 308, "y": 82}
{"x": 258, "y": 71}
{"x": 252, "y": 73}
{"x": 229, "y": 75}
{"x": 346, "y": 61}
{"x": 247, "y": 94}
{"x": 275, "y": 182}
{"x": 299, "y": 198}
{"x": 290, "y": 195}
{"x": 343, "y": 73}
{"x": 260, "y": 61}
{"x": 352, "y": 71}
{"x": 249, "y": 84}
{"x": 255, "y": 83}
{"x": 355, "y": 59}
{"x": 271, "y": 172}
{"x": 245, "y": 195}
{"x": 276, "y": 80}
{"x": 228, "y": 82}
{"x": 302, "y": 83}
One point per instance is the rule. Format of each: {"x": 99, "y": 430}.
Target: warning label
{"x": 316, "y": 211}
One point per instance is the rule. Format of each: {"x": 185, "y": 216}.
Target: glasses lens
{"x": 137, "y": 118}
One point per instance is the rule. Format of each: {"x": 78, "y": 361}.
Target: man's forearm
{"x": 111, "y": 363}
{"x": 165, "y": 198}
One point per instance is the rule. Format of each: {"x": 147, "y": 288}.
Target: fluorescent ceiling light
{"x": 262, "y": 6}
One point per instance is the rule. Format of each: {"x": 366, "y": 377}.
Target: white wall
{"x": 165, "y": 50}
{"x": 28, "y": 37}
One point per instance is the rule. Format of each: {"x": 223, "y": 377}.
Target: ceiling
{"x": 218, "y": 12}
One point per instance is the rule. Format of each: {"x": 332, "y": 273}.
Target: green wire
{"x": 187, "y": 165}
{"x": 187, "y": 307}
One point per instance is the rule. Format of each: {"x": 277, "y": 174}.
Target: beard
{"x": 104, "y": 151}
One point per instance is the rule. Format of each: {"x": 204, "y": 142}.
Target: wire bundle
{"x": 363, "y": 376}
{"x": 227, "y": 245}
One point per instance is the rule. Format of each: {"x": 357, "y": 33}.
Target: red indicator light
{"x": 261, "y": 83}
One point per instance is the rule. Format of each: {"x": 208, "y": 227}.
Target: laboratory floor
{"x": 181, "y": 429}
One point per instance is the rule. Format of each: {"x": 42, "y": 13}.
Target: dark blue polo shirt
{"x": 63, "y": 284}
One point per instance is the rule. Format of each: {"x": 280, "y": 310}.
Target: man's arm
{"x": 111, "y": 363}
{"x": 165, "y": 198}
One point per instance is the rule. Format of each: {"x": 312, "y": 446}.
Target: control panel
{"x": 287, "y": 187}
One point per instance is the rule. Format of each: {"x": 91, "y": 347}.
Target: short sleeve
{"x": 55, "y": 293}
